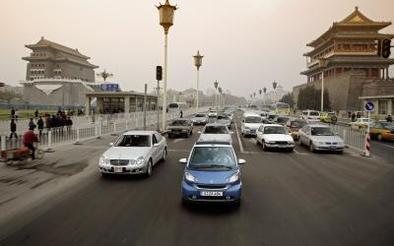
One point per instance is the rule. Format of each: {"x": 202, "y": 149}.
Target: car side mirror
{"x": 241, "y": 161}
{"x": 183, "y": 161}
{"x": 156, "y": 145}
{"x": 111, "y": 144}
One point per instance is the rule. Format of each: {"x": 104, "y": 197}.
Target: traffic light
{"x": 386, "y": 48}
{"x": 159, "y": 73}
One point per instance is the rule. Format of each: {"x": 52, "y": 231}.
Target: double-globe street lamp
{"x": 220, "y": 90}
{"x": 198, "y": 63}
{"x": 166, "y": 12}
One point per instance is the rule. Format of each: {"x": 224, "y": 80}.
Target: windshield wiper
{"x": 211, "y": 166}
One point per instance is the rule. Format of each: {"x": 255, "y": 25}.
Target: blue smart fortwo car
{"x": 212, "y": 174}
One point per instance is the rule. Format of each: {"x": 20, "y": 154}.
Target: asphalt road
{"x": 298, "y": 198}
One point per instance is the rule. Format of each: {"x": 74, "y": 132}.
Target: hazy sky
{"x": 247, "y": 44}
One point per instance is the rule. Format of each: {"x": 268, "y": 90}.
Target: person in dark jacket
{"x": 389, "y": 119}
{"x": 31, "y": 123}
{"x": 40, "y": 124}
{"x": 13, "y": 129}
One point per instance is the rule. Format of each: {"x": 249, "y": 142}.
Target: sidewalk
{"x": 24, "y": 186}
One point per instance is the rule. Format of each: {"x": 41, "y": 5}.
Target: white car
{"x": 215, "y": 132}
{"x": 134, "y": 152}
{"x": 362, "y": 123}
{"x": 311, "y": 116}
{"x": 274, "y": 136}
{"x": 200, "y": 119}
{"x": 320, "y": 137}
{"x": 250, "y": 124}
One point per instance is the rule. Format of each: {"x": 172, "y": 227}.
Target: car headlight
{"x": 190, "y": 177}
{"x": 233, "y": 178}
{"x": 103, "y": 161}
{"x": 139, "y": 161}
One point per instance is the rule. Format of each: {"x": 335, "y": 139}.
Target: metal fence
{"x": 83, "y": 129}
{"x": 351, "y": 137}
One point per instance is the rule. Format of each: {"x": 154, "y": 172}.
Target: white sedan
{"x": 276, "y": 136}
{"x": 320, "y": 137}
{"x": 134, "y": 152}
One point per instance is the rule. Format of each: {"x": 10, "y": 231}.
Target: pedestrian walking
{"x": 16, "y": 114}
{"x": 31, "y": 123}
{"x": 40, "y": 124}
{"x": 13, "y": 129}
{"x": 36, "y": 113}
{"x": 353, "y": 117}
{"x": 181, "y": 114}
{"x": 389, "y": 119}
{"x": 69, "y": 124}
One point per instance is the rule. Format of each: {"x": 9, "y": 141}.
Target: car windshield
{"x": 282, "y": 119}
{"x": 212, "y": 157}
{"x": 275, "y": 130}
{"x": 252, "y": 119}
{"x": 321, "y": 131}
{"x": 387, "y": 125}
{"x": 215, "y": 130}
{"x": 133, "y": 141}
{"x": 223, "y": 118}
{"x": 200, "y": 115}
{"x": 298, "y": 124}
{"x": 179, "y": 123}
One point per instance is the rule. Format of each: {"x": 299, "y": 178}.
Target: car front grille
{"x": 119, "y": 162}
{"x": 212, "y": 187}
{"x": 281, "y": 142}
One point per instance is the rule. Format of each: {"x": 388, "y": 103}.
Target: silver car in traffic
{"x": 320, "y": 137}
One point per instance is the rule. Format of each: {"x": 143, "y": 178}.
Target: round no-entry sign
{"x": 369, "y": 106}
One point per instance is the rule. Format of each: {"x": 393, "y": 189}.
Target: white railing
{"x": 85, "y": 128}
{"x": 351, "y": 137}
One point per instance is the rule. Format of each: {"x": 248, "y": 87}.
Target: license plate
{"x": 211, "y": 193}
{"x": 333, "y": 147}
{"x": 118, "y": 169}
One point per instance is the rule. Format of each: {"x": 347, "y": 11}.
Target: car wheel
{"x": 191, "y": 132}
{"x": 149, "y": 169}
{"x": 170, "y": 135}
{"x": 300, "y": 142}
{"x": 257, "y": 142}
{"x": 164, "y": 157}
{"x": 379, "y": 137}
{"x": 311, "y": 147}
{"x": 265, "y": 148}
{"x": 290, "y": 150}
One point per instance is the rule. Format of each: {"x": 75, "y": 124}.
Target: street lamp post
{"x": 216, "y": 84}
{"x": 198, "y": 63}
{"x": 220, "y": 96}
{"x": 166, "y": 12}
{"x": 265, "y": 95}
{"x": 274, "y": 85}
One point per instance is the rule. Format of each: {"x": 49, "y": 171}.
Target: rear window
{"x": 173, "y": 105}
{"x": 200, "y": 115}
{"x": 275, "y": 130}
{"x": 180, "y": 123}
{"x": 216, "y": 130}
{"x": 298, "y": 124}
{"x": 253, "y": 119}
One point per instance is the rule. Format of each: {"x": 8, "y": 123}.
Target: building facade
{"x": 52, "y": 60}
{"x": 346, "y": 58}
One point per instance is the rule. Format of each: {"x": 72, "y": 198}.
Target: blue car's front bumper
{"x": 192, "y": 193}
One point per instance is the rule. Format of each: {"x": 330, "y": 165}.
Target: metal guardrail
{"x": 88, "y": 130}
{"x": 351, "y": 137}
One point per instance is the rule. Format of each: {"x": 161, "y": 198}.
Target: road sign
{"x": 369, "y": 106}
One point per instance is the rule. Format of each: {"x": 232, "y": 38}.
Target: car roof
{"x": 139, "y": 132}
{"x": 210, "y": 143}
{"x": 213, "y": 144}
{"x": 215, "y": 124}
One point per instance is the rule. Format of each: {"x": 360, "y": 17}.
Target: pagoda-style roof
{"x": 354, "y": 20}
{"x": 351, "y": 61}
{"x": 44, "y": 43}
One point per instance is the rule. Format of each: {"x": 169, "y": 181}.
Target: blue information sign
{"x": 369, "y": 106}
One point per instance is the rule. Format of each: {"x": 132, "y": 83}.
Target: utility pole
{"x": 145, "y": 91}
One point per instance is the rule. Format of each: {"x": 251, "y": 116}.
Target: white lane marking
{"x": 178, "y": 140}
{"x": 239, "y": 138}
{"x": 389, "y": 146}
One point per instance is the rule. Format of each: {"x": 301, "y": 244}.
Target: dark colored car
{"x": 294, "y": 125}
{"x": 180, "y": 127}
